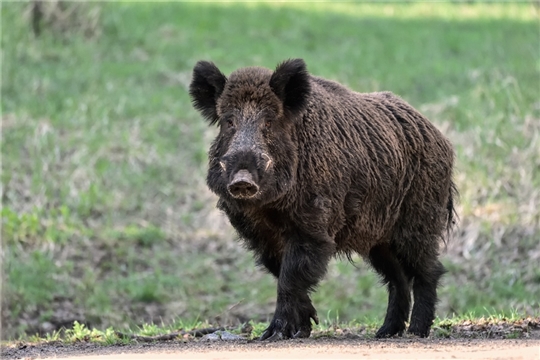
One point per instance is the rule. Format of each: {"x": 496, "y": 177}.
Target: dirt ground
{"x": 526, "y": 349}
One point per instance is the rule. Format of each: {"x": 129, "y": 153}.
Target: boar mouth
{"x": 242, "y": 185}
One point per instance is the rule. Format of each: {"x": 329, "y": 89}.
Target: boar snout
{"x": 242, "y": 185}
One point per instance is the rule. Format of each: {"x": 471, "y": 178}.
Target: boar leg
{"x": 399, "y": 293}
{"x": 271, "y": 263}
{"x": 425, "y": 284}
{"x": 303, "y": 265}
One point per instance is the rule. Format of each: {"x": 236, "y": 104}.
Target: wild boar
{"x": 306, "y": 168}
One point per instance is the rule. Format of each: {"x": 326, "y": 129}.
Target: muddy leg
{"x": 399, "y": 294}
{"x": 425, "y": 284}
{"x": 303, "y": 265}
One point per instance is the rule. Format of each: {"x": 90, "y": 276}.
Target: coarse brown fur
{"x": 306, "y": 168}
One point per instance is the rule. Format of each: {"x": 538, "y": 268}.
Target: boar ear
{"x": 290, "y": 82}
{"x": 205, "y": 88}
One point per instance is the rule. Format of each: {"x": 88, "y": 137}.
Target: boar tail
{"x": 452, "y": 217}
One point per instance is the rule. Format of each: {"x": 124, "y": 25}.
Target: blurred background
{"x": 106, "y": 218}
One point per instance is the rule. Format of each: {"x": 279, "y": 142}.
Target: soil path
{"x": 392, "y": 349}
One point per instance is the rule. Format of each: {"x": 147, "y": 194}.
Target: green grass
{"x": 498, "y": 326}
{"x": 106, "y": 219}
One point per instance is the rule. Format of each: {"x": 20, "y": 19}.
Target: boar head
{"x": 254, "y": 157}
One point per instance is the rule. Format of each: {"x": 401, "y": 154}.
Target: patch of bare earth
{"x": 327, "y": 348}
{"x": 518, "y": 339}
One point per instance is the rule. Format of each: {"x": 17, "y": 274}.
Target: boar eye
{"x": 230, "y": 123}
{"x": 267, "y": 124}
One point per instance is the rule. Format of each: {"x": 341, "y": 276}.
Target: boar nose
{"x": 242, "y": 185}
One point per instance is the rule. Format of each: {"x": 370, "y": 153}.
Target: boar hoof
{"x": 302, "y": 334}
{"x": 281, "y": 329}
{"x": 418, "y": 331}
{"x": 275, "y": 331}
{"x": 389, "y": 330}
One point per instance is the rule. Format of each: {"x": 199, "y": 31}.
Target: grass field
{"x": 106, "y": 219}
